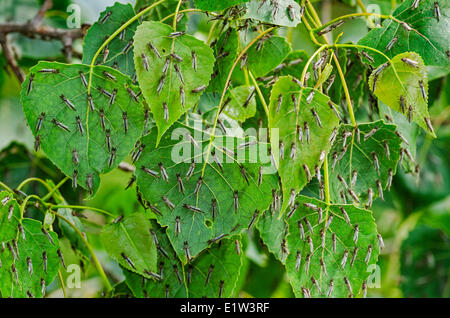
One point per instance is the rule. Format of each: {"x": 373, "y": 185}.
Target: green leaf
{"x": 272, "y": 53}
{"x": 293, "y": 64}
{"x": 69, "y": 232}
{"x": 227, "y": 265}
{"x": 94, "y": 157}
{"x": 238, "y": 108}
{"x": 214, "y": 5}
{"x": 194, "y": 74}
{"x": 400, "y": 80}
{"x": 116, "y": 53}
{"x": 129, "y": 242}
{"x": 428, "y": 37}
{"x": 273, "y": 231}
{"x": 287, "y": 120}
{"x": 175, "y": 154}
{"x": 9, "y": 216}
{"x": 36, "y": 243}
{"x": 283, "y": 12}
{"x": 191, "y": 279}
{"x": 225, "y": 51}
{"x": 351, "y": 155}
{"x": 167, "y": 263}
{"x": 407, "y": 130}
{"x": 336, "y": 269}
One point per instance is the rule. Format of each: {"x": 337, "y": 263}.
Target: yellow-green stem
{"x": 230, "y": 73}
{"x": 91, "y": 251}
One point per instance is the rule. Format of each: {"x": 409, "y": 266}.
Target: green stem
{"x": 305, "y": 69}
{"x": 4, "y": 186}
{"x": 354, "y": 15}
{"x": 258, "y": 90}
{"x": 91, "y": 251}
{"x": 230, "y": 73}
{"x": 25, "y": 202}
{"x": 326, "y": 180}
{"x": 177, "y": 10}
{"x": 338, "y": 66}
{"x": 61, "y": 280}
{"x": 80, "y": 207}
{"x": 185, "y": 11}
{"x": 116, "y": 33}
{"x": 24, "y": 182}
{"x": 52, "y": 191}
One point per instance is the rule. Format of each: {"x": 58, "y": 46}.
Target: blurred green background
{"x": 414, "y": 219}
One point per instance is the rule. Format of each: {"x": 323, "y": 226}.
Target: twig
{"x": 34, "y": 29}
{"x": 8, "y": 52}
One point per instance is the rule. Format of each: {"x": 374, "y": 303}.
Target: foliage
{"x": 202, "y": 149}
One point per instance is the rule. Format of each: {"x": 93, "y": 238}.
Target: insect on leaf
{"x": 402, "y": 84}
{"x": 201, "y": 202}
{"x": 119, "y": 52}
{"x": 242, "y": 103}
{"x": 214, "y": 5}
{"x": 29, "y": 258}
{"x": 169, "y": 271}
{"x": 305, "y": 123}
{"x": 273, "y": 231}
{"x": 225, "y": 51}
{"x": 197, "y": 279}
{"x": 420, "y": 32}
{"x": 173, "y": 71}
{"x": 332, "y": 260}
{"x": 83, "y": 134}
{"x": 363, "y": 162}
{"x": 281, "y": 12}
{"x": 265, "y": 56}
{"x": 130, "y": 243}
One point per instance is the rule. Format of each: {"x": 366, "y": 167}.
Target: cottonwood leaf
{"x": 30, "y": 279}
{"x": 408, "y": 131}
{"x": 130, "y": 243}
{"x": 292, "y": 65}
{"x": 9, "y": 216}
{"x": 61, "y": 98}
{"x": 169, "y": 269}
{"x": 158, "y": 169}
{"x": 407, "y": 82}
{"x": 214, "y": 5}
{"x": 172, "y": 93}
{"x": 374, "y": 160}
{"x": 273, "y": 231}
{"x": 191, "y": 280}
{"x": 119, "y": 52}
{"x": 265, "y": 56}
{"x": 290, "y": 112}
{"x": 238, "y": 108}
{"x": 225, "y": 51}
{"x": 281, "y": 12}
{"x": 428, "y": 36}
{"x": 303, "y": 264}
{"x": 227, "y": 266}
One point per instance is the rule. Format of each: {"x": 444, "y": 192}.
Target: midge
{"x": 253, "y": 219}
{"x": 192, "y": 208}
{"x": 105, "y": 17}
{"x": 60, "y": 125}
{"x": 109, "y": 76}
{"x": 127, "y": 48}
{"x": 79, "y": 125}
{"x": 391, "y": 43}
{"x": 30, "y": 84}
{"x": 217, "y": 238}
{"x": 145, "y": 62}
{"x": 39, "y": 122}
{"x": 410, "y": 62}
{"x": 67, "y": 102}
{"x": 49, "y": 71}
{"x": 128, "y": 260}
{"x": 112, "y": 156}
{"x": 330, "y": 28}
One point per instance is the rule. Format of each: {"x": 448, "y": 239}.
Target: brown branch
{"x": 8, "y": 52}
{"x": 33, "y": 29}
